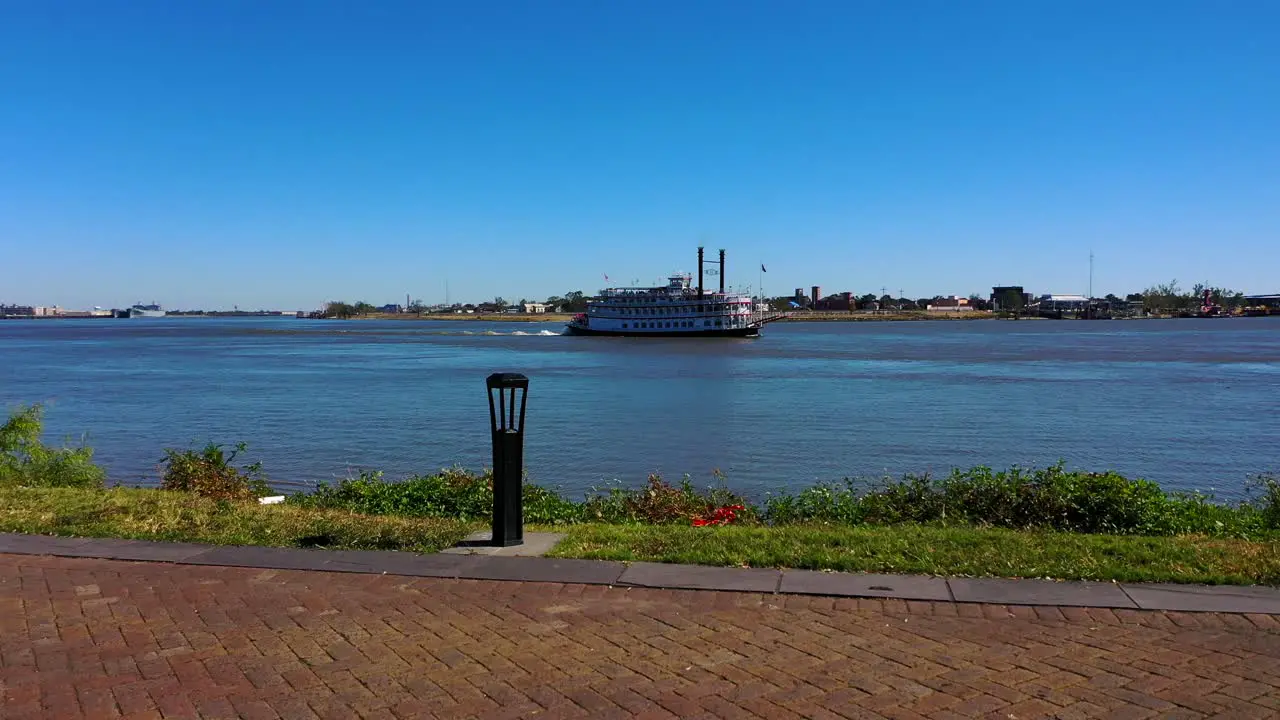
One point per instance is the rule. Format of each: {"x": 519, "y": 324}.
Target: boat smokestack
{"x": 699, "y": 271}
{"x": 722, "y": 272}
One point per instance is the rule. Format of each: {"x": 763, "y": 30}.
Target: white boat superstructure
{"x": 140, "y": 310}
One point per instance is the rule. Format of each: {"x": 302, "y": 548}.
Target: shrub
{"x": 27, "y": 462}
{"x": 660, "y": 502}
{"x": 452, "y": 493}
{"x": 1051, "y": 497}
{"x": 1268, "y": 502}
{"x": 209, "y": 473}
{"x": 1045, "y": 498}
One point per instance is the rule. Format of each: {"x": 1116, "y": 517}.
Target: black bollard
{"x": 507, "y": 426}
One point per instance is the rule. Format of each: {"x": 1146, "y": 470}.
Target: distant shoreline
{"x": 800, "y": 316}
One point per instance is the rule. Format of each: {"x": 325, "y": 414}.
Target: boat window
{"x": 718, "y": 322}
{"x": 624, "y": 326}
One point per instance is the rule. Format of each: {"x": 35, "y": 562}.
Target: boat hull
{"x": 721, "y": 333}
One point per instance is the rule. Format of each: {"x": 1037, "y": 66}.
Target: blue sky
{"x": 280, "y": 154}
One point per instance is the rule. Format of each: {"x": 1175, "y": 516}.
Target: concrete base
{"x": 535, "y": 545}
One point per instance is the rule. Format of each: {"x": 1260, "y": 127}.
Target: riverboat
{"x": 677, "y": 309}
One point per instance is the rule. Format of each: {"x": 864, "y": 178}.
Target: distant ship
{"x": 675, "y": 310}
{"x": 141, "y": 310}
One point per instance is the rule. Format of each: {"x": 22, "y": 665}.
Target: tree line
{"x": 1169, "y": 297}
{"x": 1161, "y": 298}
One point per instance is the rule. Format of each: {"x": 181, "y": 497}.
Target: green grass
{"x": 904, "y": 548}
{"x": 183, "y": 517}
{"x": 952, "y": 551}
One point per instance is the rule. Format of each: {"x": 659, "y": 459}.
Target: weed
{"x": 1267, "y": 487}
{"x": 26, "y": 461}
{"x": 452, "y": 493}
{"x": 210, "y": 473}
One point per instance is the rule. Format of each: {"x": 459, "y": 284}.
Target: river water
{"x": 1189, "y": 403}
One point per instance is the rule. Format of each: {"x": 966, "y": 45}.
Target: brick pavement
{"x": 102, "y": 638}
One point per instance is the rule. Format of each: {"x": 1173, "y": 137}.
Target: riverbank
{"x": 474, "y": 317}
{"x": 146, "y": 514}
{"x": 873, "y": 316}
{"x": 1037, "y": 522}
{"x": 967, "y": 551}
{"x": 796, "y": 316}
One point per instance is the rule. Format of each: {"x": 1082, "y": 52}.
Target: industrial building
{"x": 1063, "y": 303}
{"x": 955, "y": 303}
{"x": 1009, "y": 298}
{"x": 843, "y": 302}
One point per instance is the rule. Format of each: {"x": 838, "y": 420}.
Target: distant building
{"x": 843, "y": 302}
{"x": 1267, "y": 301}
{"x": 391, "y": 309}
{"x": 1009, "y": 298}
{"x": 1063, "y": 303}
{"x": 955, "y": 303}
{"x": 17, "y": 311}
{"x": 535, "y": 308}
{"x": 817, "y": 295}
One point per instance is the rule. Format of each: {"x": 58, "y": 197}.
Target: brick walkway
{"x": 102, "y": 638}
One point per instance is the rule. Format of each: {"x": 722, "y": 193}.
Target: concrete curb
{"x": 1134, "y": 596}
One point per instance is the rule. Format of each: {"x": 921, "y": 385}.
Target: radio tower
{"x": 1091, "y": 275}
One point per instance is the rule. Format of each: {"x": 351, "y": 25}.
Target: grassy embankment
{"x": 59, "y": 491}
{"x": 1048, "y": 522}
{"x": 142, "y": 514}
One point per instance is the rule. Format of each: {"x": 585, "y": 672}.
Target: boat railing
{"x": 767, "y": 316}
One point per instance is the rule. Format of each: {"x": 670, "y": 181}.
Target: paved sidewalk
{"x": 1141, "y": 596}
{"x": 100, "y": 638}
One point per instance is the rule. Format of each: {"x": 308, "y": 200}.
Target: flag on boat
{"x": 606, "y": 277}
{"x": 762, "y": 268}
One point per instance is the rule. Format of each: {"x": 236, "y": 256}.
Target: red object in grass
{"x": 720, "y": 516}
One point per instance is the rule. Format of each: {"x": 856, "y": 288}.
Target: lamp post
{"x": 507, "y": 428}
